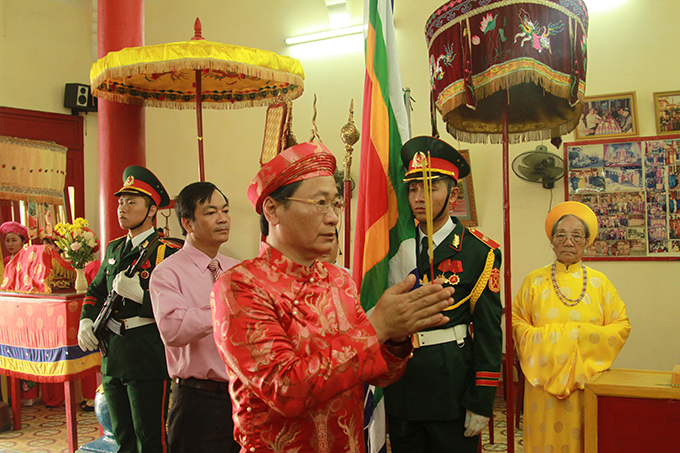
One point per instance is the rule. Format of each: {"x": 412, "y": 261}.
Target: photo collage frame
{"x": 633, "y": 186}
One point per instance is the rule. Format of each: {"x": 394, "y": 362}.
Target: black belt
{"x": 204, "y": 384}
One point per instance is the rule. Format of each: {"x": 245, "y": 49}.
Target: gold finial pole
{"x": 349, "y": 135}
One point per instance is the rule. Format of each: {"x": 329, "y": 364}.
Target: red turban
{"x": 297, "y": 163}
{"x": 16, "y": 228}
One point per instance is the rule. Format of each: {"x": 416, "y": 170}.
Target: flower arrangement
{"x": 77, "y": 241}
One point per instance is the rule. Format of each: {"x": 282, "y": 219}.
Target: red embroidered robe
{"x": 298, "y": 348}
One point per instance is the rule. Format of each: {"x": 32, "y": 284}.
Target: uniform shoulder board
{"x": 118, "y": 240}
{"x": 484, "y": 238}
{"x": 172, "y": 243}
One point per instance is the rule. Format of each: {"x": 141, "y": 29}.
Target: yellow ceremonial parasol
{"x": 196, "y": 73}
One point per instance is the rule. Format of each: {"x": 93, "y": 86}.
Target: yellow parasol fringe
{"x": 123, "y": 99}
{"x": 161, "y": 67}
{"x": 49, "y": 199}
{"x": 182, "y": 59}
{"x": 214, "y": 52}
{"x": 120, "y": 72}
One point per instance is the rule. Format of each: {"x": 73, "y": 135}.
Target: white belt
{"x": 137, "y": 321}
{"x": 430, "y": 337}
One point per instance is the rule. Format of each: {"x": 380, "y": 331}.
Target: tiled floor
{"x": 44, "y": 431}
{"x": 500, "y": 431}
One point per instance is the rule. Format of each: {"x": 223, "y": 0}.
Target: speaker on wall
{"x": 78, "y": 98}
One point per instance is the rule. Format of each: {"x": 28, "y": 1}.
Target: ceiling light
{"x": 356, "y": 29}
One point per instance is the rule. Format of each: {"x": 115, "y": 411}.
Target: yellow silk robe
{"x": 560, "y": 348}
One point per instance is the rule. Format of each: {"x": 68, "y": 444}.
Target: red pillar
{"x": 120, "y": 23}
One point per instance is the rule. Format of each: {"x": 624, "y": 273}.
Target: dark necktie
{"x": 424, "y": 255}
{"x": 126, "y": 248}
{"x": 214, "y": 267}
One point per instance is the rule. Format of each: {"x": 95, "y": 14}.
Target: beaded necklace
{"x": 564, "y": 298}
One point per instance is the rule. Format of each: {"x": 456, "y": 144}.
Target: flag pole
{"x": 349, "y": 135}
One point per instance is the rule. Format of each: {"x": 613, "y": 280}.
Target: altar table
{"x": 39, "y": 342}
{"x": 631, "y": 411}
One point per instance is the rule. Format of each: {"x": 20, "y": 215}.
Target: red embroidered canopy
{"x": 533, "y": 51}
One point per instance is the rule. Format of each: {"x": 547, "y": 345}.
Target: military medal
{"x": 144, "y": 274}
{"x": 452, "y": 266}
{"x": 451, "y": 280}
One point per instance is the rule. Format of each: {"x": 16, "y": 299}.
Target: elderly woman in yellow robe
{"x": 569, "y": 323}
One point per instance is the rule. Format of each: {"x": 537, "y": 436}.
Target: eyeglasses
{"x": 322, "y": 205}
{"x": 576, "y": 238}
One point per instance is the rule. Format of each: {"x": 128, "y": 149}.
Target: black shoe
{"x": 86, "y": 407}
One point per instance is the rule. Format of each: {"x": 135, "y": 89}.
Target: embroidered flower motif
{"x": 476, "y": 40}
{"x": 488, "y": 23}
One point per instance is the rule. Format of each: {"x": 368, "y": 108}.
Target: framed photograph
{"x": 466, "y": 209}
{"x": 667, "y": 112}
{"x": 608, "y": 116}
{"x": 633, "y": 187}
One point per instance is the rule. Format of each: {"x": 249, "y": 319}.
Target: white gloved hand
{"x": 129, "y": 287}
{"x": 474, "y": 423}
{"x": 86, "y": 339}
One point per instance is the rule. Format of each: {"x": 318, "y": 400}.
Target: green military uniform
{"x": 442, "y": 380}
{"x": 134, "y": 372}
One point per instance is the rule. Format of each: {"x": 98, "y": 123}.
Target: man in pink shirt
{"x": 200, "y": 417}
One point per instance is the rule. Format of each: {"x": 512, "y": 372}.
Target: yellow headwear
{"x": 574, "y": 208}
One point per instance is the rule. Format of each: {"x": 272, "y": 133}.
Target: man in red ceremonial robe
{"x": 297, "y": 344}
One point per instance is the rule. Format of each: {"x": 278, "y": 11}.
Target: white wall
{"x": 47, "y": 43}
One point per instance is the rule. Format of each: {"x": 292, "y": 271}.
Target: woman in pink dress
{"x": 15, "y": 236}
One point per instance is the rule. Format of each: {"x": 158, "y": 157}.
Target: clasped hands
{"x": 401, "y": 312}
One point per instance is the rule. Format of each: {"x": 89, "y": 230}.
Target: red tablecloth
{"x": 39, "y": 338}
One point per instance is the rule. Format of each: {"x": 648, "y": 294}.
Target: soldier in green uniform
{"x": 134, "y": 372}
{"x": 445, "y": 398}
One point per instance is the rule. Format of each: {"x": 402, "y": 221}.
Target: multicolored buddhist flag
{"x": 384, "y": 245}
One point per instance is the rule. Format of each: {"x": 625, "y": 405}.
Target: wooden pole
{"x": 199, "y": 123}
{"x": 509, "y": 347}
{"x": 198, "y": 36}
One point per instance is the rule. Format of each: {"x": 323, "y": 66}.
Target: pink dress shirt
{"x": 298, "y": 348}
{"x": 180, "y": 289}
